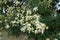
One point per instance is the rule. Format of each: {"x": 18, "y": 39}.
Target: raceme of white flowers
{"x": 34, "y": 20}
{"x": 30, "y": 23}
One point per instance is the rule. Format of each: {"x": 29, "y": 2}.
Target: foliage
{"x": 38, "y": 18}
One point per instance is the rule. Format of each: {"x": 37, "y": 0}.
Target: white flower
{"x": 43, "y": 25}
{"x": 55, "y": 15}
{"x": 36, "y": 31}
{"x": 39, "y": 30}
{"x": 47, "y": 27}
{"x": 35, "y": 9}
{"x": 28, "y": 29}
{"x": 5, "y": 20}
{"x": 36, "y": 17}
{"x": 17, "y": 2}
{"x": 13, "y": 21}
{"x": 17, "y": 22}
{"x": 16, "y": 18}
{"x": 23, "y": 29}
{"x": 21, "y": 21}
{"x": 38, "y": 26}
{"x": 29, "y": 12}
{"x": 28, "y": 24}
{"x": 23, "y": 11}
{"x": 55, "y": 39}
{"x": 32, "y": 29}
{"x": 47, "y": 38}
{"x": 18, "y": 14}
{"x": 28, "y": 18}
{"x": 36, "y": 22}
{"x": 7, "y": 26}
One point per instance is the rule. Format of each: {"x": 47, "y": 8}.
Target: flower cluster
{"x": 34, "y": 20}
{"x": 17, "y": 15}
